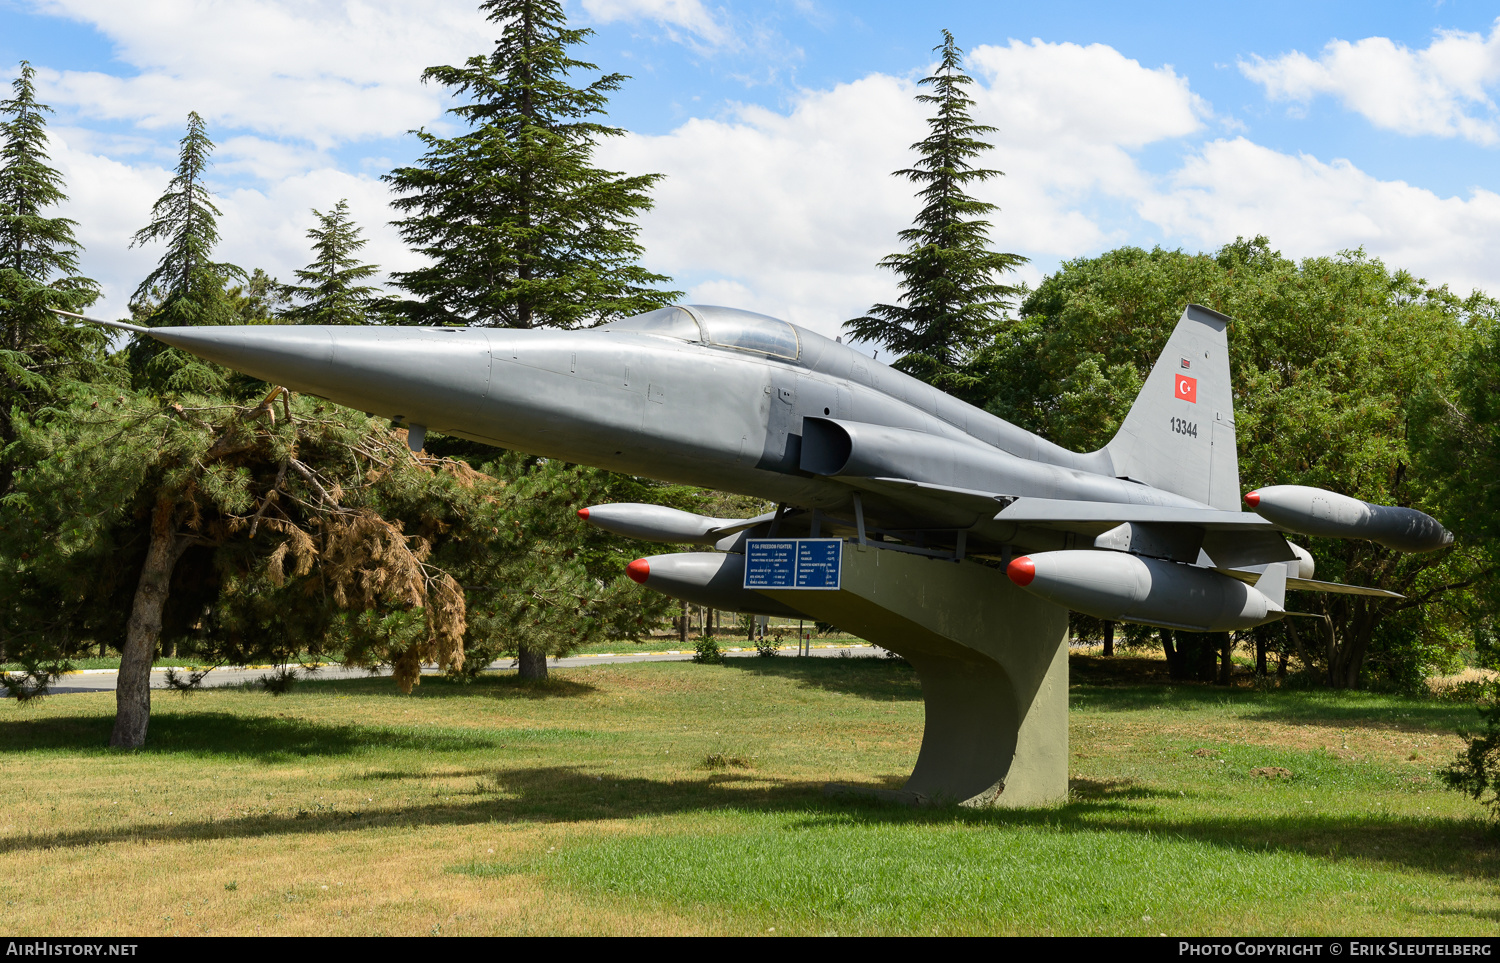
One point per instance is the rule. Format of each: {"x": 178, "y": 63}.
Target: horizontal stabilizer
{"x": 1336, "y": 588}
{"x": 1253, "y": 574}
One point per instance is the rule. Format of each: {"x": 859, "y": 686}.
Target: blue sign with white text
{"x": 792, "y": 563}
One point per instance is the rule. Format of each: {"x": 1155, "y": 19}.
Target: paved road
{"x": 103, "y": 680}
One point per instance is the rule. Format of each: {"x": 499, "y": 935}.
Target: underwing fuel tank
{"x": 1129, "y": 588}
{"x": 706, "y": 578}
{"x": 1313, "y": 511}
{"x": 658, "y": 523}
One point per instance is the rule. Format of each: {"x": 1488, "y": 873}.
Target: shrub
{"x": 706, "y": 651}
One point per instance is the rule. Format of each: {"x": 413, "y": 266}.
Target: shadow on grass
{"x": 1096, "y": 789}
{"x": 490, "y": 685}
{"x": 1321, "y": 707}
{"x": 559, "y": 794}
{"x": 227, "y": 735}
{"x": 867, "y": 677}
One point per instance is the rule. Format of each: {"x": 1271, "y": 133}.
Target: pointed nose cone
{"x": 639, "y": 570}
{"x": 583, "y": 513}
{"x": 1021, "y": 571}
{"x": 1252, "y": 498}
{"x": 297, "y": 356}
{"x": 429, "y": 377}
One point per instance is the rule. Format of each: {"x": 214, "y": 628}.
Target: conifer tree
{"x": 38, "y": 268}
{"x": 331, "y": 292}
{"x": 950, "y": 298}
{"x": 187, "y": 286}
{"x": 521, "y": 229}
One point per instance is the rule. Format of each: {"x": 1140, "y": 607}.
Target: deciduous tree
{"x": 1330, "y": 358}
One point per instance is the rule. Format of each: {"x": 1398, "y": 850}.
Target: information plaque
{"x": 792, "y": 563}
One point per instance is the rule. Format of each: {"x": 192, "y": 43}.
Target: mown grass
{"x": 617, "y": 647}
{"x": 676, "y": 798}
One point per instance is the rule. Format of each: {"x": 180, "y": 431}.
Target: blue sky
{"x": 1325, "y": 126}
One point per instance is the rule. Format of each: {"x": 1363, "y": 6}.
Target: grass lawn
{"x": 655, "y": 644}
{"x": 677, "y": 798}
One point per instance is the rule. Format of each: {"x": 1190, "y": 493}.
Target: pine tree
{"x": 38, "y": 269}
{"x": 520, "y": 228}
{"x": 188, "y": 286}
{"x": 950, "y": 299}
{"x": 331, "y": 291}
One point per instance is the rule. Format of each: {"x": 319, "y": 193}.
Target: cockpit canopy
{"x": 726, "y": 327}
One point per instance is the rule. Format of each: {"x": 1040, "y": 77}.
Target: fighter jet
{"x": 1148, "y": 529}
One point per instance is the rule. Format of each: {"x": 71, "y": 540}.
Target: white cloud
{"x": 1308, "y": 207}
{"x": 688, "y": 15}
{"x": 324, "y": 72}
{"x": 1442, "y": 90}
{"x": 789, "y": 213}
{"x": 111, "y": 200}
{"x": 781, "y": 211}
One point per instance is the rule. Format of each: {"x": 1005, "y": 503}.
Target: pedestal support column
{"x": 994, "y": 667}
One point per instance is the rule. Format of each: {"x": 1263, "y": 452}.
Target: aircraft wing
{"x": 961, "y": 507}
{"x": 958, "y": 507}
{"x": 1064, "y": 513}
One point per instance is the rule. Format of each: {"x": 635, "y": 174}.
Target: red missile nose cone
{"x": 1252, "y": 498}
{"x": 1021, "y": 571}
{"x": 583, "y": 513}
{"x": 638, "y": 570}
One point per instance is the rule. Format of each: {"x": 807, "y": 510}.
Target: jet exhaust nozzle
{"x": 1149, "y": 591}
{"x": 706, "y": 578}
{"x": 1313, "y": 511}
{"x": 658, "y": 523}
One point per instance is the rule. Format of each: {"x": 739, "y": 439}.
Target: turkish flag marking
{"x": 1187, "y": 388}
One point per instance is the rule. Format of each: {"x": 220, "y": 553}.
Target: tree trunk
{"x": 1346, "y": 660}
{"x": 532, "y": 662}
{"x": 1203, "y": 656}
{"x": 1291, "y": 630}
{"x": 1226, "y": 662}
{"x": 1176, "y": 664}
{"x": 1109, "y": 638}
{"x": 133, "y": 691}
{"x": 682, "y": 627}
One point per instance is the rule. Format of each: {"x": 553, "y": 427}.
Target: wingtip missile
{"x": 1314, "y": 511}
{"x": 658, "y": 523}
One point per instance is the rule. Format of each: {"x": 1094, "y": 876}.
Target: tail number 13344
{"x": 1185, "y": 427}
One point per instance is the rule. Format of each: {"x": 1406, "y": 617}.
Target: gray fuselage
{"x": 664, "y": 407}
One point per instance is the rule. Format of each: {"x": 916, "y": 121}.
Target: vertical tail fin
{"x": 1179, "y": 435}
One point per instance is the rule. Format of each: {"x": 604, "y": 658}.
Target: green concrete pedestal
{"x": 994, "y": 667}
